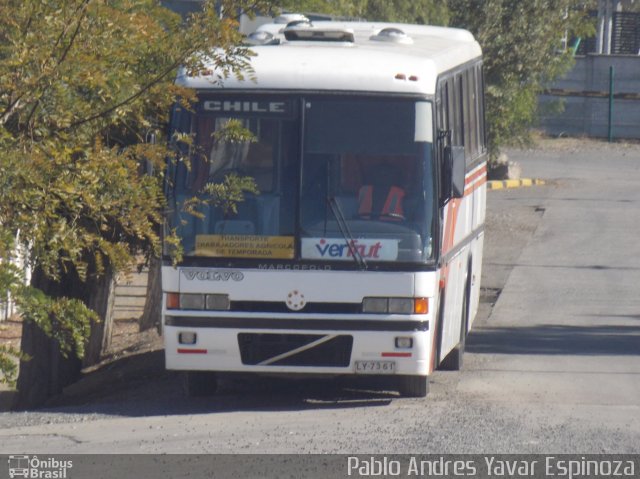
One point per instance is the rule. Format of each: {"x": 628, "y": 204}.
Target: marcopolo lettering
{"x": 296, "y": 267}
{"x": 237, "y": 106}
{"x": 208, "y": 275}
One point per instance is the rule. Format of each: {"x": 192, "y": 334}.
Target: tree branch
{"x": 154, "y": 81}
{"x": 16, "y": 104}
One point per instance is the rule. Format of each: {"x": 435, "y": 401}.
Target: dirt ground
{"x": 126, "y": 338}
{"x": 127, "y": 341}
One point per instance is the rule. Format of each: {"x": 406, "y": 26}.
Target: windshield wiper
{"x": 346, "y": 232}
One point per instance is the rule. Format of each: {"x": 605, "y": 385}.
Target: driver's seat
{"x": 382, "y": 198}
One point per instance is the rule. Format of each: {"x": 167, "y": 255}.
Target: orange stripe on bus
{"x": 475, "y": 186}
{"x": 475, "y": 175}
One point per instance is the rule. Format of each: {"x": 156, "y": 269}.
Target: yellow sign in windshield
{"x": 245, "y": 246}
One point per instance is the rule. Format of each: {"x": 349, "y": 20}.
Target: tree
{"x": 405, "y": 11}
{"x": 83, "y": 84}
{"x": 523, "y": 52}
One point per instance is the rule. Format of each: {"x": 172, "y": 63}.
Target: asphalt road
{"x": 552, "y": 367}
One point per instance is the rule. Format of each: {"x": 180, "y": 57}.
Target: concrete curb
{"x": 502, "y": 184}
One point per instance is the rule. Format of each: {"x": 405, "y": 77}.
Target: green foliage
{"x": 230, "y": 192}
{"x": 9, "y": 358}
{"x": 234, "y": 131}
{"x": 522, "y": 47}
{"x": 63, "y": 319}
{"x": 10, "y": 274}
{"x": 405, "y": 11}
{"x": 83, "y": 85}
{"x": 432, "y": 12}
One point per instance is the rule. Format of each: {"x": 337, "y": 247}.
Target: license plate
{"x": 375, "y": 367}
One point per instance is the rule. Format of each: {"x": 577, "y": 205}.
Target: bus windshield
{"x": 336, "y": 177}
{"x": 361, "y": 155}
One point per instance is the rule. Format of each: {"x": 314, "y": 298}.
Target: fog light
{"x": 404, "y": 342}
{"x": 191, "y": 301}
{"x": 218, "y": 301}
{"x": 187, "y": 337}
{"x": 375, "y": 305}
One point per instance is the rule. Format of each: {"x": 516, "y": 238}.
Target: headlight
{"x": 218, "y": 302}
{"x": 212, "y": 302}
{"x": 401, "y": 305}
{"x": 375, "y": 305}
{"x": 395, "y": 305}
{"x": 191, "y": 301}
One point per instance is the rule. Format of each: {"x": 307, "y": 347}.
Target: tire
{"x": 413, "y": 386}
{"x": 200, "y": 383}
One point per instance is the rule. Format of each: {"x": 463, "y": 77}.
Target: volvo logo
{"x": 209, "y": 275}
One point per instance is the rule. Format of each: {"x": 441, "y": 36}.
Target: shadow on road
{"x": 140, "y": 386}
{"x": 558, "y": 339}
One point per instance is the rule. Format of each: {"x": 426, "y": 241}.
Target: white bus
{"x": 361, "y": 253}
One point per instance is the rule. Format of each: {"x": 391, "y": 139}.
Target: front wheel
{"x": 413, "y": 386}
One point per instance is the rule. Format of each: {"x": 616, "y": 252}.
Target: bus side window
{"x": 460, "y": 99}
{"x": 481, "y": 109}
{"x": 473, "y": 113}
{"x": 451, "y": 111}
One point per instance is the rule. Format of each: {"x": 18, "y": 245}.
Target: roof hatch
{"x": 305, "y": 31}
{"x": 392, "y": 35}
{"x": 261, "y": 38}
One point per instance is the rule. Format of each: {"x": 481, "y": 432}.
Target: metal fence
{"x": 600, "y": 97}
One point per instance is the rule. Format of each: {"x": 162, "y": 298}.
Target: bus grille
{"x": 295, "y": 349}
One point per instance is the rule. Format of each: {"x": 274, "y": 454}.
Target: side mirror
{"x": 456, "y": 166}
